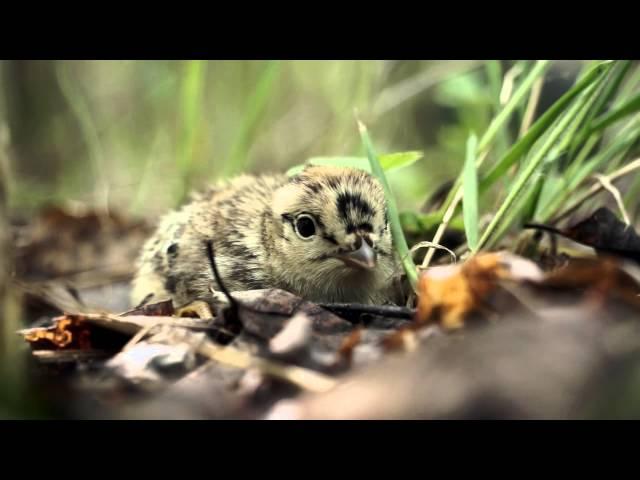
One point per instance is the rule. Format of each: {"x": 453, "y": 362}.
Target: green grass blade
{"x": 586, "y": 149}
{"x": 533, "y": 199}
{"x": 540, "y": 127}
{"x": 573, "y": 181}
{"x": 257, "y": 103}
{"x": 631, "y": 85}
{"x": 515, "y": 213}
{"x": 518, "y": 96}
{"x": 629, "y": 107}
{"x": 494, "y": 74}
{"x": 631, "y": 197}
{"x": 399, "y": 240}
{"x": 499, "y": 122}
{"x": 609, "y": 88}
{"x": 571, "y": 133}
{"x": 580, "y": 127}
{"x": 82, "y": 112}
{"x": 423, "y": 223}
{"x": 532, "y": 165}
{"x": 470, "y": 194}
{"x": 191, "y": 92}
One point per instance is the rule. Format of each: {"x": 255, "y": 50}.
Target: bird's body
{"x": 322, "y": 235}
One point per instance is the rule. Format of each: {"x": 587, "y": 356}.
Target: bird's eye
{"x": 305, "y": 226}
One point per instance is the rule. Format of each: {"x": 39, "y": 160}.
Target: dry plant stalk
{"x": 304, "y": 378}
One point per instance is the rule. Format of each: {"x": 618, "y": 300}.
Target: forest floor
{"x": 547, "y": 333}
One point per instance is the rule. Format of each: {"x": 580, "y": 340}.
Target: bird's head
{"x": 331, "y": 230}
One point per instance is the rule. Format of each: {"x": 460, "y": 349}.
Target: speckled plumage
{"x": 253, "y": 222}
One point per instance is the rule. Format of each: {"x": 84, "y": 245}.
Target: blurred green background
{"x": 136, "y": 136}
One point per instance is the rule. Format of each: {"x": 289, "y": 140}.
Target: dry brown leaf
{"x": 77, "y": 246}
{"x": 350, "y": 342}
{"x": 68, "y": 331}
{"x": 601, "y": 279}
{"x": 457, "y": 290}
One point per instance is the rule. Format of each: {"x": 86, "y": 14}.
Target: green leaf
{"x": 470, "y": 194}
{"x": 394, "y": 161}
{"x": 389, "y": 162}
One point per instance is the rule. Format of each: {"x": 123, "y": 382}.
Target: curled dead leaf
{"x": 600, "y": 279}
{"x": 603, "y": 232}
{"x": 67, "y": 331}
{"x": 454, "y": 291}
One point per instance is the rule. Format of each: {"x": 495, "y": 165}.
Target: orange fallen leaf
{"x": 403, "y": 339}
{"x": 454, "y": 291}
{"x": 68, "y": 331}
{"x": 350, "y": 342}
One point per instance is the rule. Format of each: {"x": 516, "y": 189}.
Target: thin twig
{"x": 540, "y": 226}
{"x": 140, "y": 335}
{"x": 307, "y": 379}
{"x": 427, "y": 244}
{"x": 534, "y": 98}
{"x": 381, "y": 310}
{"x": 596, "y": 188}
{"x": 606, "y": 183}
{"x": 218, "y": 278}
{"x": 508, "y": 83}
{"x": 448, "y": 215}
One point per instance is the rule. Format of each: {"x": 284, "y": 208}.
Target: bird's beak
{"x": 363, "y": 257}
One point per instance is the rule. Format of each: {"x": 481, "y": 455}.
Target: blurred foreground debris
{"x": 575, "y": 368}
{"x": 497, "y": 336}
{"x": 604, "y": 232}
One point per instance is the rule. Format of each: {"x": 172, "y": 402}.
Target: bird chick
{"x": 322, "y": 235}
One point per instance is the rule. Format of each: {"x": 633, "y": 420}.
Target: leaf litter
{"x": 496, "y": 335}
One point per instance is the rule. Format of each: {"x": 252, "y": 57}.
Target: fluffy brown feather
{"x": 272, "y": 231}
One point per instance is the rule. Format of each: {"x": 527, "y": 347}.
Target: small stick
{"x": 216, "y": 275}
{"x": 539, "y": 226}
{"x": 596, "y": 188}
{"x": 606, "y": 183}
{"x": 138, "y": 336}
{"x": 381, "y": 310}
{"x": 304, "y": 378}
